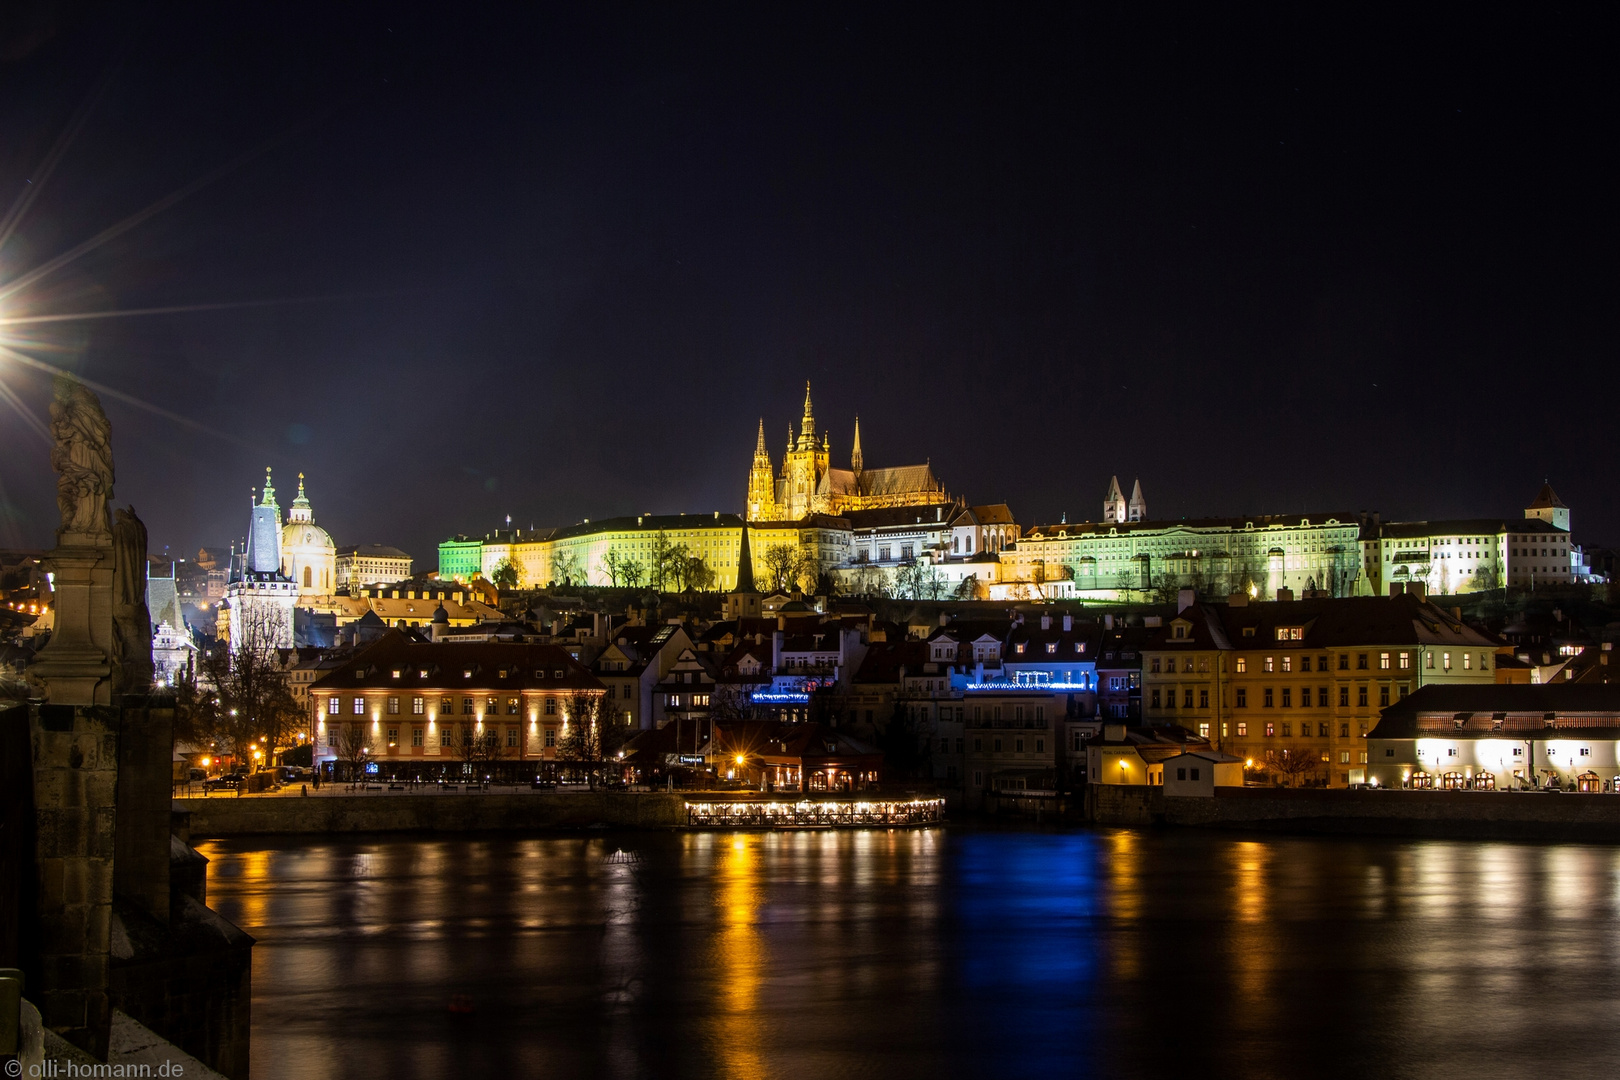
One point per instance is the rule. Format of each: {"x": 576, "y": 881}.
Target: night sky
{"x": 558, "y": 264}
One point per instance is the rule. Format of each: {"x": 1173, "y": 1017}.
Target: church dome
{"x": 308, "y": 554}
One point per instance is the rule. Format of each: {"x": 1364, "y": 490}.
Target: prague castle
{"x": 808, "y": 484}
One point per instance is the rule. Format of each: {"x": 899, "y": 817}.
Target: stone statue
{"x": 82, "y": 458}
{"x": 132, "y": 623}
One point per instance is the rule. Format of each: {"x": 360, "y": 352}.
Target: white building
{"x": 308, "y": 556}
{"x": 1497, "y": 737}
{"x": 260, "y": 598}
{"x": 371, "y": 564}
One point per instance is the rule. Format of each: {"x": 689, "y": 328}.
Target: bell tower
{"x": 761, "y": 482}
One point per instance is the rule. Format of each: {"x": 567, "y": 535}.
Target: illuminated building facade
{"x": 1216, "y": 556}
{"x": 371, "y": 564}
{"x": 1305, "y": 678}
{"x": 419, "y": 703}
{"x": 1500, "y": 738}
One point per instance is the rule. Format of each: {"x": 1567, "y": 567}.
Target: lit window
{"x": 1242, "y": 728}
{"x": 1383, "y": 661}
{"x": 359, "y": 706}
{"x": 393, "y": 706}
{"x": 332, "y": 706}
{"x": 1405, "y": 661}
{"x": 1242, "y": 664}
{"x": 418, "y": 706}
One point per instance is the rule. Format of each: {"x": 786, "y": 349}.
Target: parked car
{"x": 194, "y": 775}
{"x": 229, "y": 780}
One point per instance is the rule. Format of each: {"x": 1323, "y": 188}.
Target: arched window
{"x": 309, "y": 577}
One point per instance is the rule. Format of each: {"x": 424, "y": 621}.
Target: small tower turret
{"x": 855, "y": 462}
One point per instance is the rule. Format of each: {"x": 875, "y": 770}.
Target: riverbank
{"x": 1464, "y": 815}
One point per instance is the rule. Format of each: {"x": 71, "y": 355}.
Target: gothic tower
{"x": 1115, "y": 508}
{"x": 855, "y": 455}
{"x": 804, "y": 466}
{"x": 761, "y": 482}
{"x": 1138, "y": 505}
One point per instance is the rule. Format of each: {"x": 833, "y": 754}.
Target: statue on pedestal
{"x": 82, "y": 458}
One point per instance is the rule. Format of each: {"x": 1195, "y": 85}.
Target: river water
{"x": 1111, "y": 953}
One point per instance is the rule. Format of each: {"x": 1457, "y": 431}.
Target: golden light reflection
{"x": 739, "y": 961}
{"x": 1252, "y": 933}
{"x": 1125, "y": 897}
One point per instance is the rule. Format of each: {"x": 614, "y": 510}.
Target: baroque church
{"x": 808, "y": 484}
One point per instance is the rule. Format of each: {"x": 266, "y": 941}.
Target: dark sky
{"x": 557, "y": 263}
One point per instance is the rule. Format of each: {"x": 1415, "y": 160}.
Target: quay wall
{"x": 1496, "y": 815}
{"x": 218, "y": 816}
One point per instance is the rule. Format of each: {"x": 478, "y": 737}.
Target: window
{"x": 447, "y": 706}
{"x": 1242, "y": 729}
{"x": 1153, "y": 702}
{"x": 1445, "y": 661}
{"x": 1040, "y": 746}
{"x": 1406, "y": 661}
{"x": 511, "y": 736}
{"x": 1203, "y": 731}
{"x": 1361, "y": 696}
{"x": 978, "y": 778}
{"x": 1383, "y": 661}
{"x": 1186, "y": 698}
{"x": 332, "y": 706}
{"x": 1304, "y": 663}
{"x": 1203, "y": 699}
{"x": 1288, "y": 697}
{"x": 1288, "y": 729}
{"x": 1051, "y": 647}
{"x": 359, "y": 706}
{"x": 1288, "y": 663}
{"x": 512, "y": 706}
{"x": 1344, "y": 661}
{"x": 1187, "y": 665}
{"x": 1153, "y": 665}
{"x": 466, "y": 706}
{"x": 1242, "y": 700}
{"x": 1269, "y": 664}
{"x": 1484, "y": 661}
{"x": 418, "y": 706}
{"x": 393, "y": 706}
{"x": 1290, "y": 633}
{"x": 1344, "y": 731}
{"x": 1266, "y": 701}
{"x": 1344, "y": 757}
{"x": 1321, "y": 731}
{"x": 551, "y": 706}
{"x": 393, "y": 736}
{"x": 1428, "y": 660}
{"x": 551, "y": 736}
{"x": 1018, "y": 745}
{"x": 416, "y": 736}
{"x": 1271, "y": 729}
{"x": 995, "y": 745}
{"x": 1383, "y": 697}
{"x": 1468, "y": 661}
{"x": 1242, "y": 665}
{"x": 1361, "y": 662}
{"x": 978, "y": 745}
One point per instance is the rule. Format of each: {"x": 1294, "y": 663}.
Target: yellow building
{"x": 1293, "y": 686}
{"x": 808, "y": 484}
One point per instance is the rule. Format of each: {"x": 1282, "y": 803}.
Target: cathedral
{"x": 808, "y": 484}
{"x": 260, "y": 597}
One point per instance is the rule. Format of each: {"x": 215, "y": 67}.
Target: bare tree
{"x": 587, "y": 730}
{"x": 613, "y": 563}
{"x": 241, "y": 694}
{"x": 633, "y": 572}
{"x": 565, "y": 568}
{"x": 354, "y": 745}
{"x": 1292, "y": 764}
{"x": 781, "y": 564}
{"x": 967, "y": 588}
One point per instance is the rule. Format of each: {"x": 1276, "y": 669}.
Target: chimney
{"x": 1046, "y": 622}
{"x": 1285, "y": 594}
{"x": 1238, "y": 599}
{"x": 1456, "y": 613}
{"x": 944, "y": 619}
{"x": 1185, "y": 598}
{"x": 1417, "y": 589}
{"x": 1114, "y": 732}
{"x": 776, "y": 652}
{"x": 1068, "y": 623}
{"x": 1397, "y": 588}
{"x": 1108, "y": 621}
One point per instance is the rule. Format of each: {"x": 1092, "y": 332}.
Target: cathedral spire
{"x": 759, "y": 447}
{"x": 268, "y": 498}
{"x": 807, "y": 427}
{"x": 301, "y": 511}
{"x": 855, "y": 457}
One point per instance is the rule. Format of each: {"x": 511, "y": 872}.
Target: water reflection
{"x": 900, "y": 954}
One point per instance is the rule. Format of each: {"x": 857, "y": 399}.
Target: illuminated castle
{"x": 809, "y": 485}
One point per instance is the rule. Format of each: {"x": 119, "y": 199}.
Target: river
{"x": 942, "y": 952}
